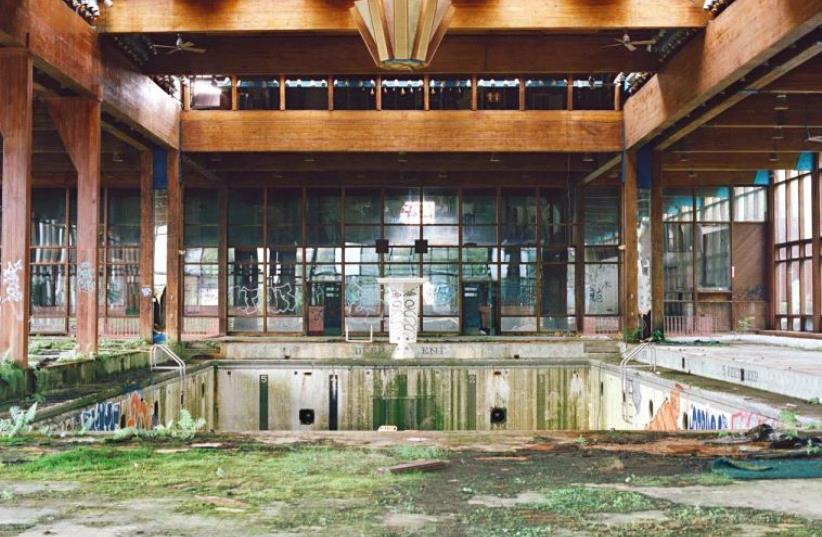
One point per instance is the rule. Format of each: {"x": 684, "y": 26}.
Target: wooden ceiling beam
{"x": 747, "y": 34}
{"x": 752, "y": 87}
{"x": 458, "y": 54}
{"x": 412, "y": 131}
{"x": 768, "y": 111}
{"x": 394, "y": 163}
{"x": 606, "y": 167}
{"x": 708, "y": 178}
{"x": 751, "y": 140}
{"x": 234, "y": 16}
{"x": 806, "y": 78}
{"x": 352, "y": 179}
{"x": 673, "y": 161}
{"x": 68, "y": 49}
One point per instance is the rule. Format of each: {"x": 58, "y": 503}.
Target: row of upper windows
{"x": 214, "y": 92}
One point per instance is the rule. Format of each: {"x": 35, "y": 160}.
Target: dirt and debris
{"x": 290, "y": 484}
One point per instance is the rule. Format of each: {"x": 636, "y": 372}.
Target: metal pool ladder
{"x": 641, "y": 349}
{"x": 161, "y": 353}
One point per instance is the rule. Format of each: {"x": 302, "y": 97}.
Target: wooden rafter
{"x": 233, "y": 16}
{"x": 366, "y": 131}
{"x": 747, "y": 34}
{"x": 69, "y": 50}
{"x": 458, "y": 54}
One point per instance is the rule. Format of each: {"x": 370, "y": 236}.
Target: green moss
{"x": 708, "y": 479}
{"x": 580, "y": 501}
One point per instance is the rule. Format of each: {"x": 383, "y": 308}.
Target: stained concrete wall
{"x": 497, "y": 349}
{"x": 410, "y": 397}
{"x": 145, "y": 407}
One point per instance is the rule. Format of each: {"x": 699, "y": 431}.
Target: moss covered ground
{"x": 245, "y": 487}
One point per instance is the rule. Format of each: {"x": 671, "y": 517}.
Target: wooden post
{"x": 815, "y": 244}
{"x": 330, "y": 92}
{"x": 772, "y": 305}
{"x": 222, "y": 259}
{"x": 569, "y": 94}
{"x": 282, "y": 92}
{"x": 174, "y": 246}
{"x": 77, "y": 120}
{"x": 426, "y": 92}
{"x": 579, "y": 260}
{"x": 473, "y": 92}
{"x": 15, "y": 126}
{"x": 379, "y": 92}
{"x": 521, "y": 90}
{"x": 234, "y": 96}
{"x": 657, "y": 246}
{"x": 629, "y": 233}
{"x": 146, "y": 245}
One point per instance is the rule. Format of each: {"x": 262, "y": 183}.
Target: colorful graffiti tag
{"x": 101, "y": 417}
{"x": 139, "y": 413}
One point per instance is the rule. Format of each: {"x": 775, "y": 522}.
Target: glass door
{"x": 479, "y": 308}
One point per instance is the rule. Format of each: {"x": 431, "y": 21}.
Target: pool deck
{"x": 788, "y": 366}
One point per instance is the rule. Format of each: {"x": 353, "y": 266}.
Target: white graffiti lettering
{"x": 11, "y": 282}
{"x": 86, "y": 281}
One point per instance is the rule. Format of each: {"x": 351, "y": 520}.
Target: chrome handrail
{"x": 623, "y": 368}
{"x": 154, "y": 361}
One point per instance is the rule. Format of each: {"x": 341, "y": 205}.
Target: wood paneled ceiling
{"x": 525, "y": 52}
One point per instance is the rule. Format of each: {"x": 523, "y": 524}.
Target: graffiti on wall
{"x": 101, "y": 417}
{"x": 11, "y": 282}
{"x": 666, "y": 418}
{"x": 705, "y": 419}
{"x": 139, "y": 414}
{"x": 677, "y": 414}
{"x": 132, "y": 410}
{"x": 86, "y": 282}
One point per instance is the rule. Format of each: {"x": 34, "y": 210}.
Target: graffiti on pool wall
{"x": 704, "y": 419}
{"x": 139, "y": 413}
{"x": 101, "y": 417}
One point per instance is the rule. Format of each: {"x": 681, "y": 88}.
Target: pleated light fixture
{"x": 402, "y": 35}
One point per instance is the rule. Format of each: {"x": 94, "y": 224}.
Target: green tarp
{"x": 768, "y": 469}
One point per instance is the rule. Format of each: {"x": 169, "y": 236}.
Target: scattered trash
{"x": 766, "y": 433}
{"x": 387, "y": 429}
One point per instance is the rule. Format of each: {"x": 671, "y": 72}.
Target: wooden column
{"x": 222, "y": 259}
{"x": 77, "y": 120}
{"x": 657, "y": 246}
{"x": 147, "y": 245}
{"x": 579, "y": 260}
{"x": 771, "y": 255}
{"x": 174, "y": 319}
{"x": 629, "y": 234}
{"x": 815, "y": 245}
{"x": 15, "y": 126}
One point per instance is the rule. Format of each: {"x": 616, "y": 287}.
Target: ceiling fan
{"x": 180, "y": 46}
{"x": 626, "y": 42}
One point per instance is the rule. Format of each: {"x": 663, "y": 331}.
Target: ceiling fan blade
{"x": 162, "y": 46}
{"x": 193, "y": 49}
{"x": 630, "y": 46}
{"x": 613, "y": 45}
{"x": 186, "y": 44}
{"x": 174, "y": 51}
{"x": 643, "y": 43}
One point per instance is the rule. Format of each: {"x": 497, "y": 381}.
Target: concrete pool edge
{"x": 749, "y": 404}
